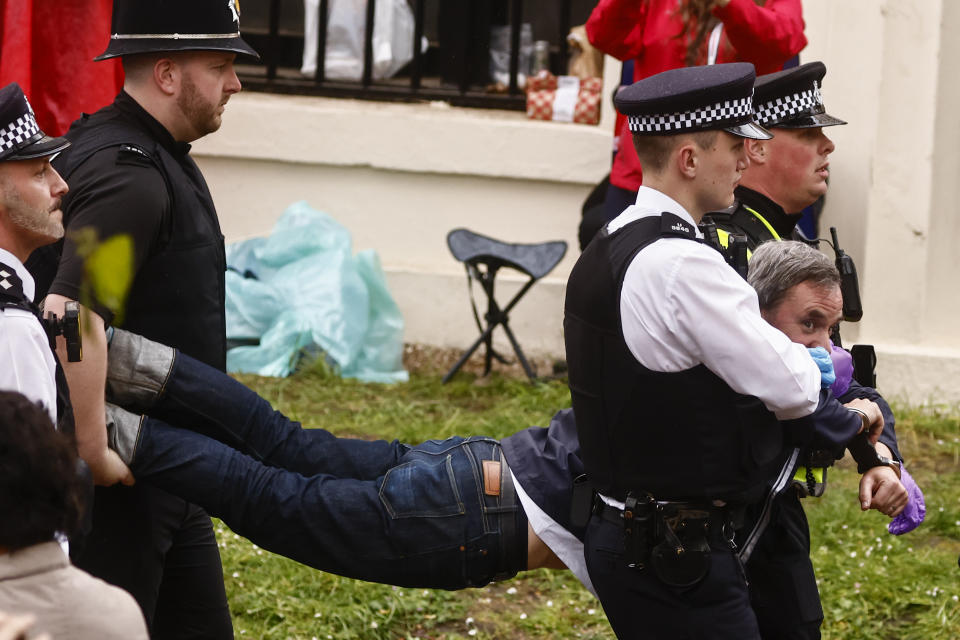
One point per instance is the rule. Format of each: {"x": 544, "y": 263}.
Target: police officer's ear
{"x": 757, "y": 150}
{"x": 167, "y": 74}
{"x": 687, "y": 157}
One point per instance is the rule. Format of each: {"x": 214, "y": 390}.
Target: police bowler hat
{"x": 147, "y": 26}
{"x": 791, "y": 98}
{"x": 20, "y": 135}
{"x": 690, "y": 99}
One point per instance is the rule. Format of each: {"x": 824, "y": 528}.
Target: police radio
{"x": 864, "y": 355}
{"x": 735, "y": 253}
{"x": 737, "y": 247}
{"x": 69, "y": 327}
{"x": 849, "y": 285}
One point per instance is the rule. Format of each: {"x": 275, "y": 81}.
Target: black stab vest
{"x": 177, "y": 296}
{"x": 680, "y": 435}
{"x": 14, "y": 298}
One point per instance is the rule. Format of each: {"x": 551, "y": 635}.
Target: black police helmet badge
{"x": 20, "y": 136}
{"x": 791, "y": 98}
{"x": 154, "y": 26}
{"x": 692, "y": 99}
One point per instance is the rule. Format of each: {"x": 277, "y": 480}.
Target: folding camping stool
{"x": 482, "y": 257}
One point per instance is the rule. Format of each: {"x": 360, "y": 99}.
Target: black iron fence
{"x": 451, "y": 49}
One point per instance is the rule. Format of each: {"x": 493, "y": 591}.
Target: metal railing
{"x": 278, "y": 71}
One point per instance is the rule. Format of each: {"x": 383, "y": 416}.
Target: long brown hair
{"x": 698, "y": 20}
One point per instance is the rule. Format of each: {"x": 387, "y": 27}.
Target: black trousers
{"x": 162, "y": 550}
{"x": 639, "y": 605}
{"x": 783, "y": 587}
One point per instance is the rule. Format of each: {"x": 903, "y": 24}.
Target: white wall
{"x": 400, "y": 176}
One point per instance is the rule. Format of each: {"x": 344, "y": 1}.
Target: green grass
{"x": 873, "y": 585}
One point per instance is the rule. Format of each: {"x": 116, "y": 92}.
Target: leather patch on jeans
{"x": 491, "y": 477}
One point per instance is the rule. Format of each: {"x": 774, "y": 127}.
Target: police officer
{"x": 131, "y": 173}
{"x": 677, "y": 383}
{"x": 788, "y": 173}
{"x": 30, "y": 217}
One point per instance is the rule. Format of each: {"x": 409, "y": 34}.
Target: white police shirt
{"x": 28, "y": 365}
{"x": 564, "y": 544}
{"x": 682, "y": 305}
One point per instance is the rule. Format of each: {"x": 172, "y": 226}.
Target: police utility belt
{"x": 672, "y": 538}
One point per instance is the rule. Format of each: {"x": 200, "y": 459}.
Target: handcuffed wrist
{"x": 865, "y": 419}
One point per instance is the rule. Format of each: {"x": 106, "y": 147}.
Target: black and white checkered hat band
{"x": 21, "y": 130}
{"x": 725, "y": 113}
{"x": 785, "y": 107}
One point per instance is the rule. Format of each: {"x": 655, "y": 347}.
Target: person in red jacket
{"x": 48, "y": 49}
{"x": 658, "y": 35}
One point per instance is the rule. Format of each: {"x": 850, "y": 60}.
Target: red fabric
{"x": 767, "y": 36}
{"x": 48, "y": 47}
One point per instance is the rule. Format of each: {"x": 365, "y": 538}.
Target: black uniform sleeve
{"x": 828, "y": 428}
{"x": 115, "y": 191}
{"x": 889, "y": 435}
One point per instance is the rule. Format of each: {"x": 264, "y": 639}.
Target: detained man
{"x": 430, "y": 514}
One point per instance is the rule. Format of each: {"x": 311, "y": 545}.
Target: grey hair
{"x": 776, "y": 267}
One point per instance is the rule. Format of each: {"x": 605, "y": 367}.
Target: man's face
{"x": 30, "y": 193}
{"x": 807, "y": 313}
{"x": 207, "y": 82}
{"x": 719, "y": 172}
{"x": 798, "y": 167}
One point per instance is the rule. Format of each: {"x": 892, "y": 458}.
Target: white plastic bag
{"x": 306, "y": 293}
{"x": 500, "y": 54}
{"x": 393, "y": 28}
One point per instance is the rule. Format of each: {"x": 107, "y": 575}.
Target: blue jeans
{"x": 417, "y": 516}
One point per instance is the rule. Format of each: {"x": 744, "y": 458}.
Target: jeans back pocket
{"x": 422, "y": 488}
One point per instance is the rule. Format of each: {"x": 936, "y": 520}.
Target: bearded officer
{"x": 30, "y": 217}
{"x": 131, "y": 173}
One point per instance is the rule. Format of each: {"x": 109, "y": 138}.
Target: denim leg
{"x": 203, "y": 399}
{"x": 420, "y": 524}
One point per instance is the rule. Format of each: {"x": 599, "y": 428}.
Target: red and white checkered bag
{"x": 563, "y": 98}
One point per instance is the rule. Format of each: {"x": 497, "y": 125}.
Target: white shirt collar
{"x": 651, "y": 202}
{"x": 29, "y": 287}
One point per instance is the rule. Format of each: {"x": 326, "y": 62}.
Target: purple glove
{"x": 843, "y": 368}
{"x": 913, "y": 514}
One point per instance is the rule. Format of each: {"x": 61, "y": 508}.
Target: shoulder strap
{"x": 110, "y": 131}
{"x": 11, "y": 291}
{"x": 632, "y": 238}
{"x": 136, "y": 148}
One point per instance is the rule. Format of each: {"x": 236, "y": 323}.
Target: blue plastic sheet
{"x": 301, "y": 291}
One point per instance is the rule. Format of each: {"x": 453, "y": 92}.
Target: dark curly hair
{"x": 39, "y": 490}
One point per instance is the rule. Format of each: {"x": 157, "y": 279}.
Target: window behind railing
{"x": 453, "y": 43}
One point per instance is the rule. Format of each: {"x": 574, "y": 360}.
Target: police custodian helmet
{"x": 791, "y": 98}
{"x": 20, "y": 136}
{"x": 693, "y": 99}
{"x": 147, "y": 26}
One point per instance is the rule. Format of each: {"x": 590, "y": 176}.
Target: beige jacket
{"x": 68, "y": 602}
